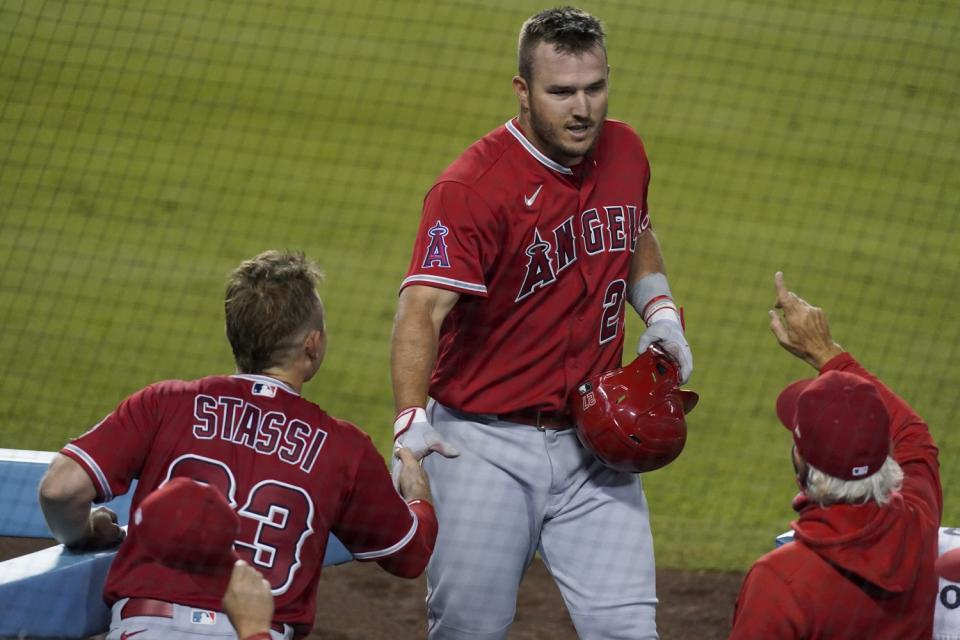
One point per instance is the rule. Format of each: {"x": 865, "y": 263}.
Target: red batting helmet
{"x": 632, "y": 418}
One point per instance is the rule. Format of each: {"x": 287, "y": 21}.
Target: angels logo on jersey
{"x": 437, "y": 249}
{"x": 616, "y": 229}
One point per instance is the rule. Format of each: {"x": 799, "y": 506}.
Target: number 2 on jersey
{"x": 275, "y": 520}
{"x": 612, "y": 308}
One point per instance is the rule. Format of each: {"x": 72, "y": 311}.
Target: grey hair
{"x": 825, "y": 489}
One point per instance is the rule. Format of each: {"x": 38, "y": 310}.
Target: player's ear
{"x": 522, "y": 90}
{"x": 315, "y": 346}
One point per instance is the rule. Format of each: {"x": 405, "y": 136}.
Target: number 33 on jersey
{"x": 292, "y": 472}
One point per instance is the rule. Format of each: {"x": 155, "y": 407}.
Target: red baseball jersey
{"x": 541, "y": 253}
{"x": 293, "y": 473}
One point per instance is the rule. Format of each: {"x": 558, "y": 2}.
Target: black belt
{"x": 543, "y": 420}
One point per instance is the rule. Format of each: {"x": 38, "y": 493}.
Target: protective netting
{"x": 146, "y": 148}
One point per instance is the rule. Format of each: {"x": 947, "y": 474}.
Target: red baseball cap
{"x": 839, "y": 424}
{"x": 188, "y": 525}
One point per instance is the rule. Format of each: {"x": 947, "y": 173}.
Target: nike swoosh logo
{"x": 130, "y": 634}
{"x": 529, "y": 201}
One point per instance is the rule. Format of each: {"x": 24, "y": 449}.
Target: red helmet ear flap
{"x": 632, "y": 418}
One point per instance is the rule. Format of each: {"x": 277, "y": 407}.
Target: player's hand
{"x": 413, "y": 482}
{"x": 248, "y": 601}
{"x": 103, "y": 532}
{"x": 412, "y": 430}
{"x": 669, "y": 335}
{"x": 802, "y": 329}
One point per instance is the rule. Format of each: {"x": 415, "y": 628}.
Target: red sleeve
{"x": 913, "y": 448}
{"x": 410, "y": 561}
{"x": 376, "y": 523}
{"x": 456, "y": 243}
{"x": 765, "y": 608}
{"x": 113, "y": 451}
{"x": 632, "y": 158}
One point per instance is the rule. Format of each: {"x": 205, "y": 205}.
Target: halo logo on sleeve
{"x": 437, "y": 249}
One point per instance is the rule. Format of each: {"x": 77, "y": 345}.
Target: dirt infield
{"x": 360, "y": 601}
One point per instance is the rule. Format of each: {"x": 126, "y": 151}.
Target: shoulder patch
{"x": 436, "y": 255}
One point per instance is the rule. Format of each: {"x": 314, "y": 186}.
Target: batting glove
{"x": 669, "y": 335}
{"x": 412, "y": 430}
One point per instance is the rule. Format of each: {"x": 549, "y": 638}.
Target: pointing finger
{"x": 783, "y": 294}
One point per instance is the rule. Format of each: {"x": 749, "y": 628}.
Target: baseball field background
{"x": 146, "y": 148}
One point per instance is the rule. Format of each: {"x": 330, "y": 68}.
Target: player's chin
{"x": 578, "y": 148}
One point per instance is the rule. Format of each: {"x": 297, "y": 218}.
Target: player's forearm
{"x": 647, "y": 260}
{"x": 68, "y": 517}
{"x": 413, "y": 351}
{"x": 410, "y": 561}
{"x": 66, "y": 494}
{"x": 413, "y": 354}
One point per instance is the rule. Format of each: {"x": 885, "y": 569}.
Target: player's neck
{"x": 285, "y": 376}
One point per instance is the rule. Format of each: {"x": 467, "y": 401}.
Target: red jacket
{"x": 855, "y": 571}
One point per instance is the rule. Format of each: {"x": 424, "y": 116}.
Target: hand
{"x": 412, "y": 481}
{"x": 669, "y": 335}
{"x": 103, "y": 532}
{"x": 803, "y": 329}
{"x": 412, "y": 430}
{"x": 248, "y": 601}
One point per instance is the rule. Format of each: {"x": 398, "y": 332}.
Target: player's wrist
{"x": 650, "y": 296}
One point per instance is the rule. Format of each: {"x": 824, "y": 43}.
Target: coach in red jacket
{"x": 862, "y": 565}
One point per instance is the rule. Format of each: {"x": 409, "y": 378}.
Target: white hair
{"x": 825, "y": 489}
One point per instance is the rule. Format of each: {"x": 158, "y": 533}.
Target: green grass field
{"x": 147, "y": 147}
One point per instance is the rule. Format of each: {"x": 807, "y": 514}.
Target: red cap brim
{"x": 787, "y": 403}
{"x": 948, "y": 565}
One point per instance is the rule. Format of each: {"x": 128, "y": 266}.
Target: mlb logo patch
{"x": 264, "y": 389}
{"x": 199, "y": 616}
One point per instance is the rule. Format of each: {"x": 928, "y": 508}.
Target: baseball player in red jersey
{"x": 530, "y": 245}
{"x": 293, "y": 473}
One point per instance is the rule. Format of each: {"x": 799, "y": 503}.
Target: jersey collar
{"x": 536, "y": 153}
{"x": 266, "y": 380}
